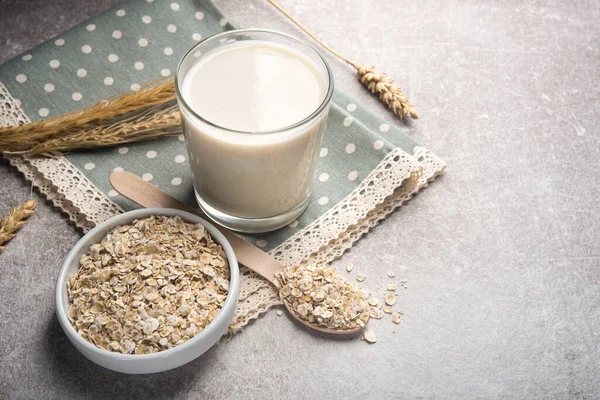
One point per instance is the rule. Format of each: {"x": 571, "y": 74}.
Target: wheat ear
{"x": 69, "y": 129}
{"x": 15, "y": 220}
{"x": 377, "y": 82}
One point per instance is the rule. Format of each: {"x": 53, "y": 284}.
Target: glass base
{"x": 251, "y": 225}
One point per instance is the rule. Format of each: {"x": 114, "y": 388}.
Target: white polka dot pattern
{"x": 126, "y": 49}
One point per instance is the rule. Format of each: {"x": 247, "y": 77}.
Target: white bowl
{"x": 166, "y": 359}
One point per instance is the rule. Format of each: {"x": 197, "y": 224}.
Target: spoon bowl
{"x": 349, "y": 332}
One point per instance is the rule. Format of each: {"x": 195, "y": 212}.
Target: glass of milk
{"x": 254, "y": 106}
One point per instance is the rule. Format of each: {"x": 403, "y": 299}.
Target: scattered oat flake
{"x": 391, "y": 287}
{"x": 391, "y": 274}
{"x": 370, "y": 336}
{"x": 279, "y": 313}
{"x": 396, "y": 319}
{"x": 360, "y": 277}
{"x": 387, "y": 309}
{"x": 404, "y": 281}
{"x": 349, "y": 267}
{"x": 375, "y": 313}
{"x": 373, "y": 301}
{"x": 390, "y": 299}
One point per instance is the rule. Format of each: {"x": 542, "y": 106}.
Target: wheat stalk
{"x": 96, "y": 125}
{"x": 147, "y": 125}
{"x": 377, "y": 82}
{"x": 15, "y": 220}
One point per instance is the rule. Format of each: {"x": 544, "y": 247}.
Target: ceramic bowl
{"x": 166, "y": 359}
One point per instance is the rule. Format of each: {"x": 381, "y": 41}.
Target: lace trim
{"x": 395, "y": 180}
{"x": 391, "y": 172}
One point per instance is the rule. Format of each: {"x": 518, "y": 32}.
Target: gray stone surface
{"x": 502, "y": 253}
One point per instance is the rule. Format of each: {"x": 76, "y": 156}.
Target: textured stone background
{"x": 502, "y": 253}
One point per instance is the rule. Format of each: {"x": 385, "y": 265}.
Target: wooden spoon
{"x": 149, "y": 196}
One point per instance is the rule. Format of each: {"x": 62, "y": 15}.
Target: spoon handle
{"x": 149, "y": 196}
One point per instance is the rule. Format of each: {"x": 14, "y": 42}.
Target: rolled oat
{"x": 148, "y": 286}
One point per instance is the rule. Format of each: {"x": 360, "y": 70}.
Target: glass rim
{"x": 311, "y": 116}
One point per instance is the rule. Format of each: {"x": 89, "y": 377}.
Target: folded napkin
{"x": 367, "y": 167}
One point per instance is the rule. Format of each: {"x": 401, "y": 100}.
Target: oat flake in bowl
{"x": 148, "y": 286}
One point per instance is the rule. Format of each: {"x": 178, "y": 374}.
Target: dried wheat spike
{"x": 123, "y": 107}
{"x": 383, "y": 86}
{"x": 16, "y": 219}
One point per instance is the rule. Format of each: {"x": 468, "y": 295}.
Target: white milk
{"x": 253, "y": 86}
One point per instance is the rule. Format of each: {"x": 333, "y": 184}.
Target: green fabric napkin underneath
{"x": 138, "y": 41}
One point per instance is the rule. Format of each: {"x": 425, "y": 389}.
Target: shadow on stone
{"x": 80, "y": 378}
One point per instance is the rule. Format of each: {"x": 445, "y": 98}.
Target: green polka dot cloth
{"x": 367, "y": 167}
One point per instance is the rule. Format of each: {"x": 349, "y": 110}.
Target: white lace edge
{"x": 393, "y": 182}
{"x": 56, "y": 177}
